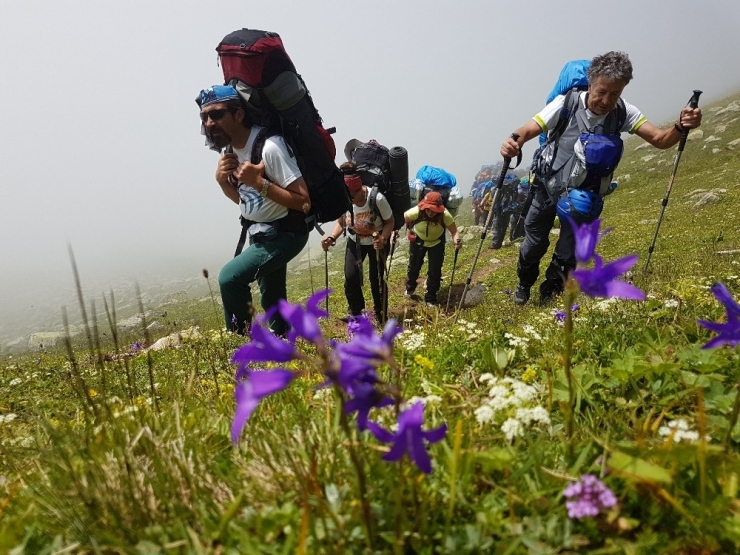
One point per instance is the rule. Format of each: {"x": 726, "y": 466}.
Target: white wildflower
{"x": 680, "y": 430}
{"x": 515, "y": 341}
{"x": 512, "y": 428}
{"x": 604, "y": 305}
{"x": 15, "y": 381}
{"x": 412, "y": 341}
{"x": 670, "y": 303}
{"x": 428, "y": 400}
{"x": 523, "y": 392}
{"x": 8, "y": 417}
{"x": 322, "y": 394}
{"x": 487, "y": 377}
{"x": 536, "y": 415}
{"x": 484, "y": 414}
{"x": 529, "y": 330}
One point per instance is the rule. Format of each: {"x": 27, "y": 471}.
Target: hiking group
{"x": 277, "y": 163}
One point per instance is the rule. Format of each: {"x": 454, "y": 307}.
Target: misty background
{"x": 100, "y": 147}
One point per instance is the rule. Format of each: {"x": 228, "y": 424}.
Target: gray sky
{"x": 100, "y": 144}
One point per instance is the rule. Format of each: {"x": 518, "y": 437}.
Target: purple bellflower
{"x": 366, "y": 397}
{"x": 601, "y": 281}
{"x": 560, "y": 314}
{"x": 264, "y": 347}
{"x": 728, "y": 332}
{"x": 359, "y": 325}
{"x": 410, "y": 437}
{"x": 304, "y": 322}
{"x": 250, "y": 391}
{"x": 587, "y": 497}
{"x": 587, "y": 237}
{"x": 366, "y": 344}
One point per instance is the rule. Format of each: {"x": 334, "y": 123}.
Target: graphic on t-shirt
{"x": 251, "y": 200}
{"x": 364, "y": 223}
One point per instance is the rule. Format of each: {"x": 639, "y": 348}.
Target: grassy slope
{"x": 95, "y": 467}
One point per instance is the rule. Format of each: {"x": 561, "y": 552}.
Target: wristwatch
{"x": 265, "y": 186}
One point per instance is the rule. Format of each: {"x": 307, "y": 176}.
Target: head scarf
{"x": 215, "y": 94}
{"x": 354, "y": 184}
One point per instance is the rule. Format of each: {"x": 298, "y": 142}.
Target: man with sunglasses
{"x": 273, "y": 200}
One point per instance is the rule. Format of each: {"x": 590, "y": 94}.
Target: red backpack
{"x": 275, "y": 97}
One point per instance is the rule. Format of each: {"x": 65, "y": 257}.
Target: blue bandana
{"x": 216, "y": 93}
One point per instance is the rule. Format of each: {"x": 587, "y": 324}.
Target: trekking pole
{"x": 452, "y": 279}
{"x": 380, "y": 265}
{"x": 310, "y": 271}
{"x": 326, "y": 278}
{"x": 388, "y": 264}
{"x": 489, "y": 217}
{"x": 389, "y": 261}
{"x": 693, "y": 103}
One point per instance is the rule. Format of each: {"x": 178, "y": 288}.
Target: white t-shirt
{"x": 281, "y": 169}
{"x": 548, "y": 118}
{"x": 366, "y": 222}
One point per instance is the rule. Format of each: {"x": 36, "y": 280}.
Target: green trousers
{"x": 267, "y": 263}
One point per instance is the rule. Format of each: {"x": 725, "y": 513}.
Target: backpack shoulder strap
{"x": 373, "y": 199}
{"x": 259, "y": 144}
{"x": 619, "y": 117}
{"x": 570, "y": 106}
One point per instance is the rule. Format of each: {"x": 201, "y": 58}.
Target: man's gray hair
{"x": 614, "y": 66}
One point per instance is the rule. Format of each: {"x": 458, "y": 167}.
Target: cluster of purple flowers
{"x": 560, "y": 314}
{"x": 587, "y": 497}
{"x": 601, "y": 280}
{"x": 351, "y": 367}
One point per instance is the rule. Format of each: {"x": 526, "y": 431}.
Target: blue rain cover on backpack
{"x": 572, "y": 75}
{"x": 429, "y": 175}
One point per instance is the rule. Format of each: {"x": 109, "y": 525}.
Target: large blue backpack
{"x": 572, "y": 76}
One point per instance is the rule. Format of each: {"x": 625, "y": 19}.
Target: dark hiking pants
{"x": 436, "y": 254}
{"x": 498, "y": 228}
{"x": 537, "y": 228}
{"x": 353, "y": 261}
{"x": 267, "y": 263}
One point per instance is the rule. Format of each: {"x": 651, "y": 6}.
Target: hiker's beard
{"x": 220, "y": 139}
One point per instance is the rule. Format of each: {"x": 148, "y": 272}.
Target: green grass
{"x": 115, "y": 452}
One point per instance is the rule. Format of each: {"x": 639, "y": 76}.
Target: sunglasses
{"x": 215, "y": 115}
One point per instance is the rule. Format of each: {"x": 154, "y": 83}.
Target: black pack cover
{"x": 386, "y": 171}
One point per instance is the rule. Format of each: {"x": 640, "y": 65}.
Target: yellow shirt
{"x": 429, "y": 232}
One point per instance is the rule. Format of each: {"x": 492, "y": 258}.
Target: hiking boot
{"x": 521, "y": 295}
{"x": 494, "y": 247}
{"x": 549, "y": 293}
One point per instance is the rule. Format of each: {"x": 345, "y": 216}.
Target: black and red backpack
{"x": 275, "y": 97}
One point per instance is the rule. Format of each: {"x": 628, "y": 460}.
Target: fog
{"x": 100, "y": 146}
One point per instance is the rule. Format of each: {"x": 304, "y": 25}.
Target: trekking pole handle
{"x": 694, "y": 102}
{"x": 515, "y": 136}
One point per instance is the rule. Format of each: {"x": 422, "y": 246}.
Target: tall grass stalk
{"x": 149, "y": 364}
